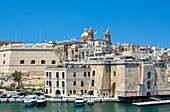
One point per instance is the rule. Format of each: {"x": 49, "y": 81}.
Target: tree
{"x": 17, "y": 77}
{"x": 60, "y": 53}
{"x": 13, "y": 86}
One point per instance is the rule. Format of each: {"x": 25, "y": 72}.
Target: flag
{"x": 95, "y": 33}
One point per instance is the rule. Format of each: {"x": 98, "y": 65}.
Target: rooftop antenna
{"x": 16, "y": 34}
{"x": 40, "y": 36}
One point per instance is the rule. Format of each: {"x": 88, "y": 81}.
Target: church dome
{"x": 84, "y": 36}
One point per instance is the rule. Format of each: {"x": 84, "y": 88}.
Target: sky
{"x": 129, "y": 21}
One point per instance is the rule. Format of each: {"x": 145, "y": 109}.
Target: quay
{"x": 63, "y": 100}
{"x": 152, "y": 103}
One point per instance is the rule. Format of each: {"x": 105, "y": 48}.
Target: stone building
{"x": 6, "y": 42}
{"x": 30, "y": 59}
{"x": 113, "y": 78}
{"x": 89, "y": 37}
{"x": 89, "y": 46}
{"x": 68, "y": 79}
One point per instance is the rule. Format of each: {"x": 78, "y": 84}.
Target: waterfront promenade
{"x": 63, "y": 99}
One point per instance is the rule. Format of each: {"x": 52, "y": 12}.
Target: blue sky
{"x": 130, "y": 21}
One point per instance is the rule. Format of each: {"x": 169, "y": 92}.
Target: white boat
{"x": 41, "y": 101}
{"x": 30, "y": 100}
{"x": 79, "y": 101}
{"x": 90, "y": 102}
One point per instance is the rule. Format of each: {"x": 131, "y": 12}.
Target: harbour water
{"x": 70, "y": 107}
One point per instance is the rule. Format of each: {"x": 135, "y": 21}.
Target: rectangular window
{"x": 57, "y": 75}
{"x": 72, "y": 51}
{"x": 74, "y": 74}
{"x": 50, "y": 75}
{"x": 57, "y": 83}
{"x": 46, "y": 82}
{"x": 84, "y": 74}
{"x": 89, "y": 74}
{"x": 50, "y": 91}
{"x": 74, "y": 83}
{"x": 82, "y": 83}
{"x": 47, "y": 91}
{"x": 50, "y": 83}
{"x": 63, "y": 84}
{"x": 92, "y": 83}
{"x": 46, "y": 74}
{"x": 63, "y": 75}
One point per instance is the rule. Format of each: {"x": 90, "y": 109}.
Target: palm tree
{"x": 17, "y": 77}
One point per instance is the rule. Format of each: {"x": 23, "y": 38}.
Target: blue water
{"x": 70, "y": 107}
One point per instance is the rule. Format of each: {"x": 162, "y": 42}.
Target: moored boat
{"x": 41, "y": 101}
{"x": 90, "y": 102}
{"x": 79, "y": 101}
{"x": 30, "y": 100}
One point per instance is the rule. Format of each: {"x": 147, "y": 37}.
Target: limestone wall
{"x": 99, "y": 71}
{"x": 162, "y": 80}
{"x": 131, "y": 79}
{"x": 119, "y": 80}
{"x": 12, "y": 55}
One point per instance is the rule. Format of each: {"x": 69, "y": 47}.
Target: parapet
{"x": 26, "y": 46}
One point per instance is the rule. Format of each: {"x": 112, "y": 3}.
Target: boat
{"x": 79, "y": 101}
{"x": 30, "y": 100}
{"x": 41, "y": 101}
{"x": 90, "y": 102}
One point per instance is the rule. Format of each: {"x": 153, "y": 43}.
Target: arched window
{"x": 148, "y": 85}
{"x": 32, "y": 61}
{"x": 93, "y": 73}
{"x": 57, "y": 75}
{"x": 149, "y": 75}
{"x": 70, "y": 91}
{"x": 114, "y": 73}
{"x": 74, "y": 91}
{"x": 42, "y": 61}
{"x": 21, "y": 61}
{"x": 4, "y": 62}
{"x": 53, "y": 62}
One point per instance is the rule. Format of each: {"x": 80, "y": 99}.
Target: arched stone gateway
{"x": 57, "y": 92}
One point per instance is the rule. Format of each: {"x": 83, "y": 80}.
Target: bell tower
{"x": 107, "y": 36}
{"x": 90, "y": 34}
